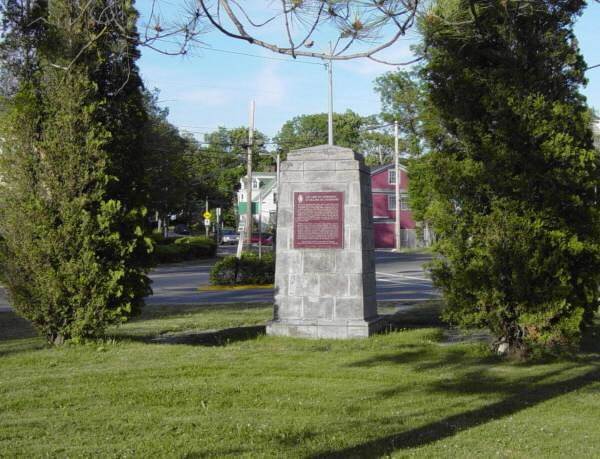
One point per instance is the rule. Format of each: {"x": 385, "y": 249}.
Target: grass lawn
{"x": 165, "y": 385}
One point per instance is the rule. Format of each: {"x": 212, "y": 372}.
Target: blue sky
{"x": 212, "y": 88}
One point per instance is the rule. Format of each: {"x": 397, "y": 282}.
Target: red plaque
{"x": 319, "y": 220}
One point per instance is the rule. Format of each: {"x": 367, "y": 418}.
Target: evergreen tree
{"x": 512, "y": 186}
{"x": 75, "y": 256}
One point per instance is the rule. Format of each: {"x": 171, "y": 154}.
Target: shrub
{"x": 249, "y": 269}
{"x": 158, "y": 238}
{"x": 511, "y": 180}
{"x": 185, "y": 248}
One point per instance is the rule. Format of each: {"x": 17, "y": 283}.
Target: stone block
{"x": 289, "y": 306}
{"x": 348, "y": 262}
{"x": 322, "y": 152}
{"x": 318, "y": 307}
{"x": 355, "y": 197}
{"x": 355, "y": 284}
{"x": 358, "y": 331}
{"x": 332, "y": 331}
{"x": 319, "y": 165}
{"x": 303, "y": 331}
{"x": 333, "y": 285}
{"x": 349, "y": 308}
{"x": 321, "y": 292}
{"x": 285, "y": 218}
{"x": 345, "y": 176}
{"x": 347, "y": 164}
{"x": 287, "y": 261}
{"x": 291, "y": 176}
{"x": 282, "y": 282}
{"x": 317, "y": 176}
{"x": 291, "y": 166}
{"x": 352, "y": 216}
{"x": 282, "y": 238}
{"x": 319, "y": 261}
{"x": 304, "y": 284}
{"x": 354, "y": 238}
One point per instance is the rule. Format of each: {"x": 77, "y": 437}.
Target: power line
{"x": 239, "y": 53}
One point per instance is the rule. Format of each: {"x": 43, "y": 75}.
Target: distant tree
{"x": 513, "y": 184}
{"x": 221, "y": 161}
{"x": 403, "y": 100}
{"x": 377, "y": 147}
{"x": 311, "y": 130}
{"x": 74, "y": 254}
{"x": 169, "y": 180}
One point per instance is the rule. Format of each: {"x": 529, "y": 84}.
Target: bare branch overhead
{"x": 369, "y": 25}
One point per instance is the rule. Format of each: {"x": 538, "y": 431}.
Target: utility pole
{"x": 397, "y": 188}
{"x": 206, "y": 226}
{"x": 260, "y": 198}
{"x": 277, "y": 164}
{"x": 330, "y": 71}
{"x": 248, "y": 228}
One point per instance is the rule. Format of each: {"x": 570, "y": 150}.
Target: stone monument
{"x": 325, "y": 265}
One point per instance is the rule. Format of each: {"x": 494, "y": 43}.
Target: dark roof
{"x": 378, "y": 169}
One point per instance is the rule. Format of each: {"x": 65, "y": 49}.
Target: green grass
{"x": 162, "y": 386}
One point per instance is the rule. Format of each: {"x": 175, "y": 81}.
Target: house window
{"x": 392, "y": 176}
{"x": 274, "y": 198}
{"x": 255, "y": 184}
{"x": 403, "y": 202}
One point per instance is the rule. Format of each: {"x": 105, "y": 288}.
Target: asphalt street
{"x": 400, "y": 278}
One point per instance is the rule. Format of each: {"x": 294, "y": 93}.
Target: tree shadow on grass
{"x": 165, "y": 311}
{"x": 208, "y": 338}
{"x": 452, "y": 425}
{"x": 476, "y": 377}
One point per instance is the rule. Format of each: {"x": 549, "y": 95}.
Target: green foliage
{"x": 75, "y": 256}
{"x": 184, "y": 248}
{"x": 248, "y": 270}
{"x": 511, "y": 187}
{"x": 311, "y": 130}
{"x": 403, "y": 99}
{"x": 170, "y": 182}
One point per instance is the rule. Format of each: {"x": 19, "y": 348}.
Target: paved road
{"x": 400, "y": 277}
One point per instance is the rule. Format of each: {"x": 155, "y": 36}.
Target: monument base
{"x": 326, "y": 329}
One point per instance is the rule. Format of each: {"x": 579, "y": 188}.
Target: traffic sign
{"x": 207, "y": 215}
{"x": 206, "y": 221}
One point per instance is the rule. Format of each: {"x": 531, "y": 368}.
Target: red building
{"x": 384, "y": 208}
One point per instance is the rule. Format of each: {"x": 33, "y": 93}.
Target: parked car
{"x": 180, "y": 228}
{"x": 265, "y": 239}
{"x": 229, "y": 236}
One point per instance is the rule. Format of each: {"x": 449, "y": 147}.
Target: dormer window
{"x": 255, "y": 184}
{"x": 392, "y": 176}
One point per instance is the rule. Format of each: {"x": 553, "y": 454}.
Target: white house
{"x": 264, "y": 199}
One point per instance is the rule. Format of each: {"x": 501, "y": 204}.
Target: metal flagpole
{"x": 397, "y": 188}
{"x": 330, "y": 72}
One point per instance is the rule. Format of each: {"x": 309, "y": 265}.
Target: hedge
{"x": 245, "y": 271}
{"x": 185, "y": 248}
